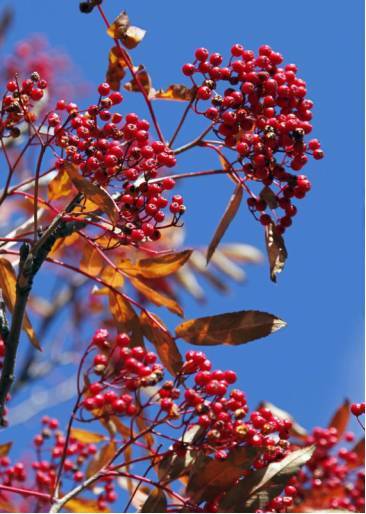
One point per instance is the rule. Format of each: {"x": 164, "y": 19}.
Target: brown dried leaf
{"x": 8, "y": 285}
{"x": 229, "y": 214}
{"x": 163, "y": 341}
{"x": 116, "y": 68}
{"x": 101, "y": 458}
{"x": 231, "y": 328}
{"x": 84, "y": 436}
{"x": 162, "y": 265}
{"x": 125, "y": 317}
{"x": 121, "y": 29}
{"x": 276, "y": 249}
{"x": 359, "y": 450}
{"x": 210, "y": 477}
{"x": 157, "y": 298}
{"x": 93, "y": 192}
{"x": 261, "y": 486}
{"x": 177, "y": 92}
{"x": 242, "y": 253}
{"x": 156, "y": 502}
{"x": 5, "y": 449}
{"x": 340, "y": 418}
{"x": 112, "y": 277}
{"x": 141, "y": 80}
{"x": 84, "y": 505}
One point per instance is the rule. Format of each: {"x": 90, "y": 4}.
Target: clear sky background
{"x": 312, "y": 365}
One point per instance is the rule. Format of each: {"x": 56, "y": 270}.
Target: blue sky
{"x": 312, "y": 365}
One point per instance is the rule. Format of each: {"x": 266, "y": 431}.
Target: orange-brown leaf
{"x": 112, "y": 276}
{"x": 121, "y": 29}
{"x": 340, "y": 418}
{"x": 91, "y": 261}
{"x": 155, "y": 502}
{"x": 93, "y": 192}
{"x": 5, "y": 449}
{"x": 141, "y": 80}
{"x": 154, "y": 329}
{"x": 162, "y": 265}
{"x": 125, "y": 317}
{"x": 116, "y": 70}
{"x": 59, "y": 186}
{"x": 229, "y": 214}
{"x": 84, "y": 505}
{"x": 101, "y": 458}
{"x": 276, "y": 249}
{"x": 84, "y": 436}
{"x": 231, "y": 328}
{"x": 177, "y": 92}
{"x": 8, "y": 285}
{"x": 157, "y": 298}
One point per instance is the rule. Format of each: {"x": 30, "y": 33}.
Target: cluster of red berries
{"x": 35, "y": 54}
{"x": 122, "y": 370}
{"x": 333, "y": 472}
{"x": 19, "y": 104}
{"x": 111, "y": 149}
{"x": 263, "y": 115}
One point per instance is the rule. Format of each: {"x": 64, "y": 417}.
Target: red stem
{"x": 26, "y": 492}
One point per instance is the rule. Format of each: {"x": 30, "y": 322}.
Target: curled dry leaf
{"x": 156, "y": 332}
{"x": 125, "y": 317}
{"x": 269, "y": 197}
{"x": 121, "y": 29}
{"x": 141, "y": 80}
{"x": 116, "y": 70}
{"x": 177, "y": 92}
{"x": 8, "y": 286}
{"x": 261, "y": 486}
{"x": 229, "y": 214}
{"x": 232, "y": 328}
{"x": 155, "y": 502}
{"x": 276, "y": 249}
{"x": 340, "y": 418}
{"x": 84, "y": 436}
{"x": 93, "y": 192}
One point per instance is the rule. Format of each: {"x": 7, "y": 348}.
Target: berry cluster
{"x": 19, "y": 104}
{"x": 111, "y": 149}
{"x": 263, "y": 115}
{"x": 122, "y": 370}
{"x": 333, "y": 472}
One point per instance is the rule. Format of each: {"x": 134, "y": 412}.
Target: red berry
{"x": 104, "y": 89}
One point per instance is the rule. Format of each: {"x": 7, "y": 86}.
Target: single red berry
{"x": 201, "y": 54}
{"x": 104, "y": 89}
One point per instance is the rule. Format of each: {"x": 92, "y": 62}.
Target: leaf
{"x": 210, "y": 477}
{"x": 277, "y": 253}
{"x": 177, "y": 92}
{"x": 125, "y": 317}
{"x": 121, "y": 29}
{"x": 154, "y": 329}
{"x": 91, "y": 261}
{"x": 242, "y": 253}
{"x": 261, "y": 486}
{"x": 155, "y": 297}
{"x": 229, "y": 214}
{"x": 59, "y": 186}
{"x": 340, "y": 418}
{"x": 84, "y": 436}
{"x": 162, "y": 265}
{"x": 141, "y": 78}
{"x": 5, "y": 449}
{"x": 6, "y": 20}
{"x": 8, "y": 285}
{"x": 296, "y": 430}
{"x": 156, "y": 502}
{"x": 112, "y": 276}
{"x": 101, "y": 458}
{"x": 359, "y": 450}
{"x": 116, "y": 68}
{"x": 269, "y": 197}
{"x": 84, "y": 505}
{"x": 231, "y": 328}
{"x": 93, "y": 192}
